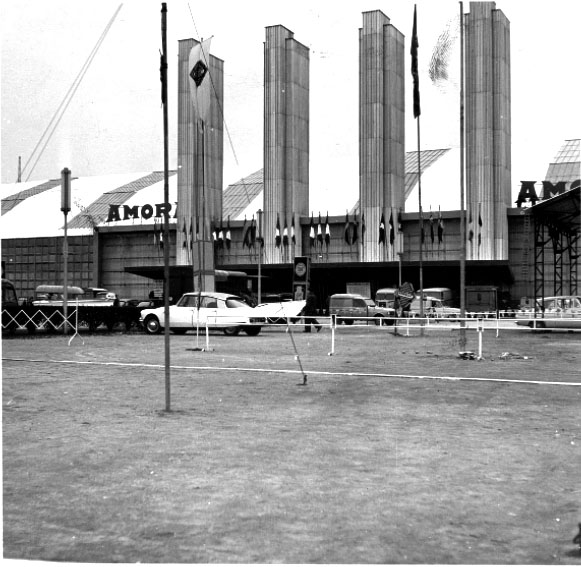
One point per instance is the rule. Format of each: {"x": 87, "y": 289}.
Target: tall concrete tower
{"x": 488, "y": 131}
{"x": 381, "y": 132}
{"x": 286, "y": 139}
{"x": 200, "y": 169}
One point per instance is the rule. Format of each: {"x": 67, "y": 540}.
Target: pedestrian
{"x": 309, "y": 311}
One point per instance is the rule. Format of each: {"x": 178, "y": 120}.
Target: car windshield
{"x": 235, "y": 302}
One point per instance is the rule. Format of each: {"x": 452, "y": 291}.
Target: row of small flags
{"x": 222, "y": 236}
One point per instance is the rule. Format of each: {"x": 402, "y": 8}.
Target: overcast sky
{"x": 113, "y": 123}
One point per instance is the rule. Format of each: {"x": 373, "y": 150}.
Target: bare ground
{"x": 394, "y": 451}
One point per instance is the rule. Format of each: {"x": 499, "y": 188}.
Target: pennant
{"x": 312, "y": 232}
{"x": 320, "y": 232}
{"x": 277, "y": 239}
{"x": 200, "y": 81}
{"x": 244, "y": 233}
{"x": 440, "y": 229}
{"x": 252, "y": 232}
{"x": 185, "y": 237}
{"x": 415, "y": 74}
{"x": 327, "y": 231}
{"x": 347, "y": 232}
{"x": 293, "y": 239}
{"x": 285, "y": 233}
{"x": 228, "y": 234}
{"x": 382, "y": 230}
{"x": 479, "y": 229}
{"x": 155, "y": 238}
{"x": 471, "y": 232}
{"x": 191, "y": 235}
{"x": 221, "y": 237}
{"x": 391, "y": 229}
{"x": 432, "y": 227}
{"x": 363, "y": 228}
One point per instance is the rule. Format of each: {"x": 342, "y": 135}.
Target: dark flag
{"x": 415, "y": 74}
{"x": 432, "y": 227}
{"x": 470, "y": 232}
{"x": 191, "y": 234}
{"x": 440, "y": 229}
{"x": 277, "y": 238}
{"x": 244, "y": 233}
{"x": 185, "y": 235}
{"x": 327, "y": 231}
{"x": 312, "y": 232}
{"x": 221, "y": 237}
{"x": 479, "y": 229}
{"x": 320, "y": 232}
{"x": 363, "y": 227}
{"x": 252, "y": 232}
{"x": 382, "y": 230}
{"x": 391, "y": 229}
{"x": 293, "y": 238}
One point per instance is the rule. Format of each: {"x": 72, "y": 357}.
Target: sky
{"x": 114, "y": 121}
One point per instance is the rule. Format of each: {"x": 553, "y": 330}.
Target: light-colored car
{"x": 558, "y": 312}
{"x": 434, "y": 307}
{"x": 216, "y": 310}
{"x": 53, "y": 295}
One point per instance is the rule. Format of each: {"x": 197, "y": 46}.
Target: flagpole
{"x": 166, "y": 200}
{"x": 421, "y": 223}
{"x": 462, "y": 208}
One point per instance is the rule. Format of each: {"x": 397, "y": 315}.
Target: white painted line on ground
{"x": 309, "y": 372}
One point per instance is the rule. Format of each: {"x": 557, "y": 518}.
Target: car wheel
{"x": 252, "y": 331}
{"x": 379, "y": 320}
{"x": 232, "y": 331}
{"x": 152, "y": 325}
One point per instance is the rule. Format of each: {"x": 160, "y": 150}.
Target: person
{"x": 299, "y": 296}
{"x": 309, "y": 311}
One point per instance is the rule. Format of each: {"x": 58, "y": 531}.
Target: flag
{"x": 382, "y": 230}
{"x": 479, "y": 229}
{"x": 191, "y": 235}
{"x": 228, "y": 234}
{"x": 320, "y": 232}
{"x": 200, "y": 80}
{"x": 415, "y": 73}
{"x": 432, "y": 227}
{"x": 285, "y": 233}
{"x": 440, "y": 229}
{"x": 252, "y": 229}
{"x": 155, "y": 238}
{"x": 197, "y": 227}
{"x": 185, "y": 237}
{"x": 293, "y": 239}
{"x": 363, "y": 227}
{"x": 221, "y": 237}
{"x": 398, "y": 222}
{"x": 470, "y": 232}
{"x": 277, "y": 233}
{"x": 391, "y": 229}
{"x": 327, "y": 231}
{"x": 422, "y": 232}
{"x": 347, "y": 234}
{"x": 244, "y": 233}
{"x": 312, "y": 232}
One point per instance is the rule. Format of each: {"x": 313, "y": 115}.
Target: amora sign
{"x": 125, "y": 212}
{"x": 527, "y": 190}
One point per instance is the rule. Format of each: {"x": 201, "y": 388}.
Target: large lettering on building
{"x": 125, "y": 212}
{"x": 528, "y": 194}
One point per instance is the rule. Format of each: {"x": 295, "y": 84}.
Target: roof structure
{"x": 567, "y": 163}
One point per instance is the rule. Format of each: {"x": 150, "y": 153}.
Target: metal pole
{"x": 65, "y": 208}
{"x": 259, "y": 215}
{"x": 166, "y": 287}
{"x": 462, "y": 208}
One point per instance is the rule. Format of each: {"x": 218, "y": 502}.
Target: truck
{"x": 481, "y": 301}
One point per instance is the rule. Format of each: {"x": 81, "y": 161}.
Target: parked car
{"x": 227, "y": 312}
{"x": 350, "y": 307}
{"x": 558, "y": 312}
{"x": 53, "y": 295}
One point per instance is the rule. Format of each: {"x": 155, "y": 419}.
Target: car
{"x": 349, "y": 307}
{"x": 433, "y": 307}
{"x": 558, "y": 312}
{"x": 224, "y": 311}
{"x": 53, "y": 295}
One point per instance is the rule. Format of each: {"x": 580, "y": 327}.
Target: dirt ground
{"x": 395, "y": 451}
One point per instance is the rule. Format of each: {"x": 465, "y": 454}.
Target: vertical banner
{"x": 301, "y": 277}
